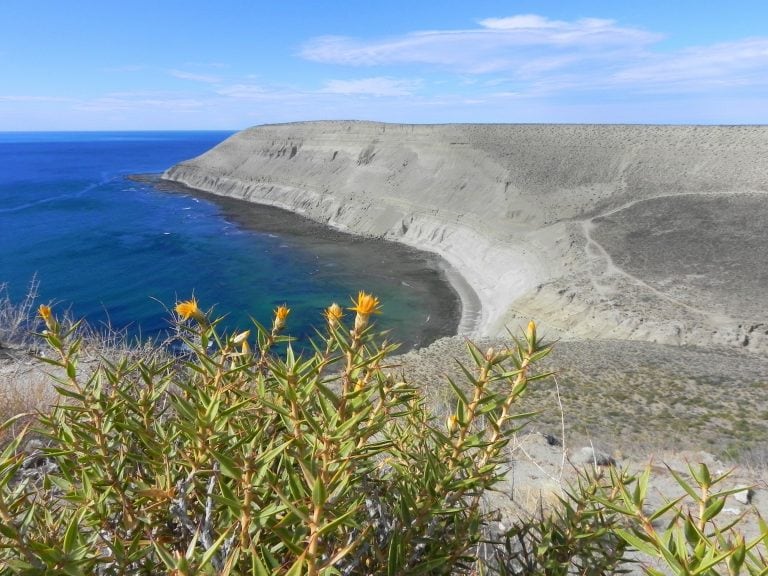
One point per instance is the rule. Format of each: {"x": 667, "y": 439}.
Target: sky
{"x": 202, "y": 65}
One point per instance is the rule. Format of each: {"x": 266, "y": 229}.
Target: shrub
{"x": 604, "y": 524}
{"x": 579, "y": 535}
{"x": 240, "y": 459}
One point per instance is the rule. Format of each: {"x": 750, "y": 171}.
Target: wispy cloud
{"x": 498, "y": 44}
{"x": 204, "y": 78}
{"x": 245, "y": 91}
{"x": 546, "y": 56}
{"x": 377, "y": 86}
{"x": 30, "y": 98}
{"x": 141, "y": 100}
{"x": 733, "y": 64}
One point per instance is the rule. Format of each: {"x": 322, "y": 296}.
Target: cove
{"x": 307, "y": 266}
{"x": 120, "y": 251}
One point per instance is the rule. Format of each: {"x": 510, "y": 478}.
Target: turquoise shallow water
{"x": 117, "y": 250}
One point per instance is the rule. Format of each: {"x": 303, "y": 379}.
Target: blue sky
{"x": 170, "y": 64}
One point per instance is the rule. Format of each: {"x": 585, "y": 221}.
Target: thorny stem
{"x": 458, "y": 445}
{"x": 115, "y": 482}
{"x": 520, "y": 379}
{"x": 245, "y": 515}
{"x": 703, "y": 504}
{"x": 314, "y": 540}
{"x": 346, "y": 379}
{"x": 326, "y": 455}
{"x": 261, "y": 364}
{"x": 317, "y": 512}
{"x": 493, "y": 447}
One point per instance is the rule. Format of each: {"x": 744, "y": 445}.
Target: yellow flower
{"x": 45, "y": 313}
{"x": 333, "y": 314}
{"x": 281, "y": 313}
{"x": 365, "y": 305}
{"x": 188, "y": 309}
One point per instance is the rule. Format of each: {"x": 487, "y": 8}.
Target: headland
{"x": 616, "y": 232}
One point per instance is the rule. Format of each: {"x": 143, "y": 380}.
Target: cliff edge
{"x": 652, "y": 233}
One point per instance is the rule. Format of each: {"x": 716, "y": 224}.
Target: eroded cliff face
{"x": 512, "y": 174}
{"x": 517, "y": 210}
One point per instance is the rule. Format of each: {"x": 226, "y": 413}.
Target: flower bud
{"x": 241, "y": 337}
{"x": 530, "y": 335}
{"x": 45, "y": 313}
{"x": 281, "y": 313}
{"x": 361, "y": 321}
{"x": 333, "y": 315}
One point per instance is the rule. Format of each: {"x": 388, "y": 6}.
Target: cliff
{"x": 557, "y": 222}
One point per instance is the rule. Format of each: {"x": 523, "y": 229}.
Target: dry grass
{"x": 638, "y": 397}
{"x": 17, "y": 319}
{"x": 25, "y": 388}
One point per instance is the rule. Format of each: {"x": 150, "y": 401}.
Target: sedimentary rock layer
{"x": 601, "y": 231}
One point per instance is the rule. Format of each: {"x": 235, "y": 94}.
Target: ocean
{"x": 121, "y": 252}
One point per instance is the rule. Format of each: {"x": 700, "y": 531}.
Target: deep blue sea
{"x": 117, "y": 251}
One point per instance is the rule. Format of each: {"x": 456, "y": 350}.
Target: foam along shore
{"x": 509, "y": 207}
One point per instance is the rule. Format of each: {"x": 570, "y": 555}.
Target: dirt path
{"x": 594, "y": 250}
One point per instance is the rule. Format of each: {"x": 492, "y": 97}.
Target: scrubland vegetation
{"x": 240, "y": 455}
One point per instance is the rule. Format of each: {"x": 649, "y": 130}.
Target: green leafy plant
{"x": 238, "y": 459}
{"x": 578, "y": 535}
{"x": 694, "y": 539}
